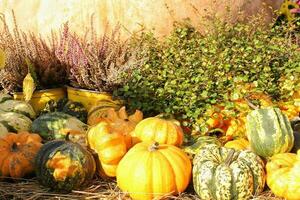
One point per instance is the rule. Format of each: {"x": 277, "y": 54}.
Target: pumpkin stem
{"x": 14, "y": 147}
{"x": 230, "y": 157}
{"x": 68, "y": 136}
{"x": 154, "y": 147}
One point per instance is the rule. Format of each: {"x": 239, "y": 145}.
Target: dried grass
{"x": 30, "y": 189}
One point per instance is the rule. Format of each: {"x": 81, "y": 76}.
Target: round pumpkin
{"x": 269, "y": 132}
{"x": 238, "y": 144}
{"x": 150, "y": 171}
{"x": 155, "y": 129}
{"x": 17, "y": 154}
{"x": 99, "y": 110}
{"x": 109, "y": 145}
{"x": 283, "y": 177}
{"x": 223, "y": 173}
{"x": 63, "y": 165}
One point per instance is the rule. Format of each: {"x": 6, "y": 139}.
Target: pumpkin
{"x": 283, "y": 177}
{"x": 21, "y": 107}
{"x": 199, "y": 142}
{"x": 238, "y": 144}
{"x": 99, "y": 111}
{"x": 159, "y": 130}
{"x": 18, "y": 152}
{"x": 223, "y": 173}
{"x": 296, "y": 129}
{"x": 150, "y": 171}
{"x": 109, "y": 145}
{"x": 269, "y": 132}
{"x": 57, "y": 125}
{"x": 75, "y": 109}
{"x": 63, "y": 165}
{"x": 4, "y": 97}
{"x": 14, "y": 122}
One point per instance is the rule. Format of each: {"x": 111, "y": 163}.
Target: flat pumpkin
{"x": 150, "y": 170}
{"x": 63, "y": 165}
{"x": 18, "y": 152}
{"x": 283, "y": 177}
{"x": 221, "y": 173}
{"x": 155, "y": 129}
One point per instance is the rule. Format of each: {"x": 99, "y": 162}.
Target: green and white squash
{"x": 57, "y": 125}
{"x": 14, "y": 122}
{"x": 221, "y": 173}
{"x": 64, "y": 165}
{"x": 269, "y": 132}
{"x": 194, "y": 145}
{"x": 16, "y": 106}
{"x": 4, "y": 97}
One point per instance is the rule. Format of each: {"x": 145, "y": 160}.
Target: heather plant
{"x": 22, "y": 49}
{"x": 93, "y": 62}
{"x": 189, "y": 72}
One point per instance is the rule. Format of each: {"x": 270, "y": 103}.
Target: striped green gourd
{"x": 269, "y": 132}
{"x": 221, "y": 173}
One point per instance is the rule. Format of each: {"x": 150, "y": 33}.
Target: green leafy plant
{"x": 188, "y": 72}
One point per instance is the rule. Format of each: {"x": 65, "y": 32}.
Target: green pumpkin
{"x": 221, "y": 173}
{"x": 193, "y": 145}
{"x": 63, "y": 165}
{"x": 269, "y": 132}
{"x": 75, "y": 109}
{"x": 57, "y": 125}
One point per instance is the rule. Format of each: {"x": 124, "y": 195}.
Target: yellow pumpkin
{"x": 283, "y": 176}
{"x": 109, "y": 145}
{"x": 122, "y": 123}
{"x": 238, "y": 144}
{"x": 150, "y": 171}
{"x": 159, "y": 130}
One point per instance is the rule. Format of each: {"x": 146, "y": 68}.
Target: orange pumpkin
{"x": 18, "y": 152}
{"x": 151, "y": 171}
{"x": 158, "y": 130}
{"x": 109, "y": 145}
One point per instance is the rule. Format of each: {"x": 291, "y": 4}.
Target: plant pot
{"x": 41, "y": 97}
{"x": 87, "y": 97}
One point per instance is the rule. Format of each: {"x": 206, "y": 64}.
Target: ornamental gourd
{"x": 150, "y": 170}
{"x": 109, "y": 145}
{"x": 269, "y": 132}
{"x": 159, "y": 130}
{"x": 283, "y": 177}
{"x": 18, "y": 152}
{"x": 223, "y": 173}
{"x": 63, "y": 165}
{"x": 123, "y": 123}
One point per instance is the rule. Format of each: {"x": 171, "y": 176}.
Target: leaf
{"x": 2, "y": 58}
{"x": 28, "y": 87}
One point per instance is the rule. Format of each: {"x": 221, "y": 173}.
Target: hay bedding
{"x": 30, "y": 189}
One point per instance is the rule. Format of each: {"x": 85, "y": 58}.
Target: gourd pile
{"x": 66, "y": 146}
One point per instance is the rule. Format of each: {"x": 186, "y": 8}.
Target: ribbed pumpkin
{"x": 150, "y": 171}
{"x": 223, "y": 173}
{"x": 269, "y": 132}
{"x": 63, "y": 165}
{"x": 283, "y": 176}
{"x": 99, "y": 111}
{"x": 238, "y": 144}
{"x": 123, "y": 123}
{"x": 17, "y": 154}
{"x": 159, "y": 130}
{"x": 109, "y": 145}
